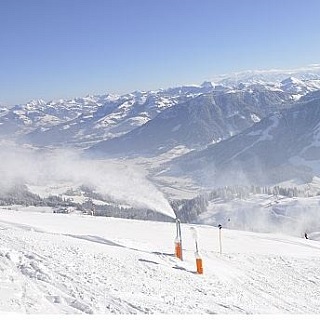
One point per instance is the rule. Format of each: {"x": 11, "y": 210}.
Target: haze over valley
{"x": 179, "y": 147}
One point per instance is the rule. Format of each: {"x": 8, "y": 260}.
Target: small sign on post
{"x": 220, "y": 240}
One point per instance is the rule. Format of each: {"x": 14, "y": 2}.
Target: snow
{"x": 176, "y": 128}
{"x": 268, "y": 213}
{"x": 266, "y": 135}
{"x": 70, "y": 264}
{"x": 313, "y": 164}
{"x": 255, "y": 118}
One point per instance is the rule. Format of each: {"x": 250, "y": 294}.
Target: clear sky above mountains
{"x": 53, "y": 49}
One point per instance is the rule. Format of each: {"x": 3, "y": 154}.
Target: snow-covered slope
{"x": 21, "y": 119}
{"x": 200, "y": 121}
{"x": 280, "y": 147}
{"x": 81, "y": 264}
{"x": 94, "y": 118}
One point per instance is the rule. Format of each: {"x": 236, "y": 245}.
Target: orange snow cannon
{"x": 178, "y": 249}
{"x": 196, "y": 254}
{"x": 199, "y": 265}
{"x": 178, "y": 241}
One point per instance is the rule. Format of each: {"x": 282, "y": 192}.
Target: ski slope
{"x": 75, "y": 264}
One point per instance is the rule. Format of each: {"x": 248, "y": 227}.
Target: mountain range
{"x": 256, "y": 125}
{"x": 282, "y": 146}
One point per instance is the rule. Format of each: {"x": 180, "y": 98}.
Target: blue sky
{"x": 54, "y": 49}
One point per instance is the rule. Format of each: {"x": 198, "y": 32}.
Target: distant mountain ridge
{"x": 274, "y": 76}
{"x": 85, "y": 121}
{"x": 205, "y": 119}
{"x": 155, "y": 121}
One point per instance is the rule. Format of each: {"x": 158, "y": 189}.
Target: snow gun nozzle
{"x": 178, "y": 226}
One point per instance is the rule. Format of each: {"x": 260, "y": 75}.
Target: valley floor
{"x": 68, "y": 264}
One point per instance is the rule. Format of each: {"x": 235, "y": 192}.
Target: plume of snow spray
{"x": 123, "y": 182}
{"x": 118, "y": 180}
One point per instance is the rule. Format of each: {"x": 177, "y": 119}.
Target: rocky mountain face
{"x": 283, "y": 146}
{"x": 202, "y": 120}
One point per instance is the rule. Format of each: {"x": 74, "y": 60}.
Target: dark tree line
{"x": 20, "y": 195}
{"x": 187, "y": 210}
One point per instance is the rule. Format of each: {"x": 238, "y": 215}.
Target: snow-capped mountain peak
{"x": 85, "y": 121}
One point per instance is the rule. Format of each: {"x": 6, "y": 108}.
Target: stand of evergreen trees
{"x": 187, "y": 210}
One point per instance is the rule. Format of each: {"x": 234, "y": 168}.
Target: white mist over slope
{"x": 265, "y": 213}
{"x": 120, "y": 181}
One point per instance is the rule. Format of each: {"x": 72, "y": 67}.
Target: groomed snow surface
{"x": 76, "y": 264}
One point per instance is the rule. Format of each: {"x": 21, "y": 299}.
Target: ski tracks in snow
{"x": 270, "y": 284}
{"x": 43, "y": 272}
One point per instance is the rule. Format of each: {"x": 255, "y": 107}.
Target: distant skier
{"x": 305, "y": 235}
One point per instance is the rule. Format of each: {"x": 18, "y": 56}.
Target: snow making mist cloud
{"x": 122, "y": 182}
